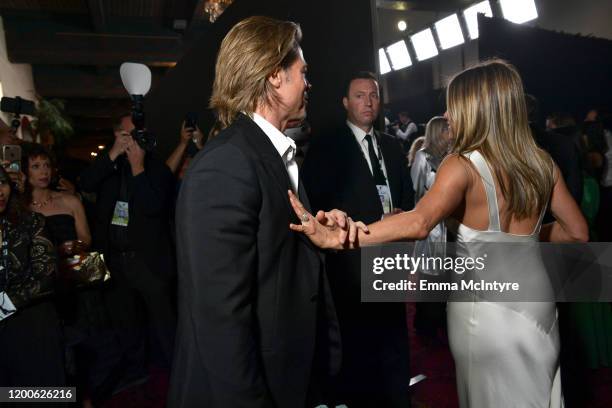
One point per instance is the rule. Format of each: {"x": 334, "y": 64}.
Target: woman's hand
{"x": 328, "y": 230}
{"x": 70, "y": 248}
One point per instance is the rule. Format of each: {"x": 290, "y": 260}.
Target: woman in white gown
{"x": 495, "y": 187}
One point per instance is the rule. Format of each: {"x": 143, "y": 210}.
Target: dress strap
{"x": 489, "y": 184}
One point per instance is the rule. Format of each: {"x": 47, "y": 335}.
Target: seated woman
{"x": 66, "y": 220}
{"x": 30, "y": 337}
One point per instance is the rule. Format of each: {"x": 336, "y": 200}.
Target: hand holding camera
{"x": 119, "y": 147}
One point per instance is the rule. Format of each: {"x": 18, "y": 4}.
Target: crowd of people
{"x": 238, "y": 272}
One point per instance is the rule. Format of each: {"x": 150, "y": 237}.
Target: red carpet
{"x": 431, "y": 359}
{"x": 438, "y": 390}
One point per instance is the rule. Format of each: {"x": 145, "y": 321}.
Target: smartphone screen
{"x": 12, "y": 155}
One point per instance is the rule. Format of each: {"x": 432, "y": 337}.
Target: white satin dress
{"x": 506, "y": 353}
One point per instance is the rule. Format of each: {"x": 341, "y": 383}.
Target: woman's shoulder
{"x": 66, "y": 199}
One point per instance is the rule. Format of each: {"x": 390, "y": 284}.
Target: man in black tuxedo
{"x": 364, "y": 173}
{"x": 256, "y": 321}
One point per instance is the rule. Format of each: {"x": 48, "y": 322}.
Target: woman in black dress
{"x": 30, "y": 338}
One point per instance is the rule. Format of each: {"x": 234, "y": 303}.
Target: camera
{"x": 136, "y": 79}
{"x": 17, "y": 106}
{"x": 145, "y": 139}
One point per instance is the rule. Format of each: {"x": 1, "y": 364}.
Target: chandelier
{"x": 214, "y": 8}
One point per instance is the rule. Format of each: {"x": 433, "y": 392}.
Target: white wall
{"x": 16, "y": 79}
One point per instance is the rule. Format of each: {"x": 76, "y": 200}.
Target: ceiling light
{"x": 519, "y": 11}
{"x": 383, "y": 62}
{"x": 471, "y": 16}
{"x": 424, "y": 44}
{"x": 401, "y": 25}
{"x": 449, "y": 32}
{"x": 398, "y": 53}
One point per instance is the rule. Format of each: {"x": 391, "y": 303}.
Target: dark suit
{"x": 252, "y": 293}
{"x": 375, "y": 369}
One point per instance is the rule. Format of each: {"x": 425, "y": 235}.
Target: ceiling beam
{"x": 72, "y": 82}
{"x": 44, "y": 41}
{"x": 422, "y": 5}
{"x": 96, "y": 108}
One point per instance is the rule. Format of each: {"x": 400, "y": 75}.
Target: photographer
{"x": 134, "y": 191}
{"x": 191, "y": 141}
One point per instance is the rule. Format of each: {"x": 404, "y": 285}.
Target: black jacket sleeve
{"x": 152, "y": 189}
{"x": 217, "y": 224}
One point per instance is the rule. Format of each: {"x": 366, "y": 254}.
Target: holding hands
{"x": 327, "y": 230}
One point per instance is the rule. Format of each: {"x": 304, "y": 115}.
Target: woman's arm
{"x": 445, "y": 195}
{"x": 80, "y": 219}
{"x": 570, "y": 225}
{"x": 178, "y": 155}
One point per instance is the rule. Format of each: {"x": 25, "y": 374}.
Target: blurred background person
{"x": 30, "y": 338}
{"x": 405, "y": 130}
{"x": 134, "y": 194}
{"x": 416, "y": 146}
{"x": 430, "y": 316}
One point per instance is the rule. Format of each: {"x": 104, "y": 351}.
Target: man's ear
{"x": 275, "y": 78}
{"x": 345, "y": 102}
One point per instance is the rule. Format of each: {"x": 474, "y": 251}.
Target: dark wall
{"x": 411, "y": 90}
{"x": 565, "y": 72}
{"x": 338, "y": 39}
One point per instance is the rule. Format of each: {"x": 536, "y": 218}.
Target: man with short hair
{"x": 256, "y": 322}
{"x": 364, "y": 172}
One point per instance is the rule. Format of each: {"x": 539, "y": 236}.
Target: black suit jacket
{"x": 375, "y": 369}
{"x": 251, "y": 291}
{"x": 151, "y": 195}
{"x": 337, "y": 175}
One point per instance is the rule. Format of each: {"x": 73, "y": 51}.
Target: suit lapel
{"x": 276, "y": 168}
{"x": 361, "y": 174}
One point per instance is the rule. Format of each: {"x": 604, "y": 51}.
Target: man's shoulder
{"x": 226, "y": 148}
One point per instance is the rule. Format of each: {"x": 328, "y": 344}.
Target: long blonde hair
{"x": 488, "y": 113}
{"x": 435, "y": 144}
{"x": 252, "y": 50}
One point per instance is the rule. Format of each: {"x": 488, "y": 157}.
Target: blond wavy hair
{"x": 252, "y": 50}
{"x": 488, "y": 113}
{"x": 434, "y": 143}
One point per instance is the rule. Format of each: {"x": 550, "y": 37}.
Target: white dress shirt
{"x": 360, "y": 138}
{"x": 410, "y": 129}
{"x": 284, "y": 145}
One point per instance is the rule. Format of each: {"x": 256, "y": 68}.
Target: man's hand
{"x": 186, "y": 134}
{"x": 17, "y": 177}
{"x": 135, "y": 156}
{"x": 328, "y": 230}
{"x": 119, "y": 147}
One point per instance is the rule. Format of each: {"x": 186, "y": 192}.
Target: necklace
{"x": 40, "y": 204}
